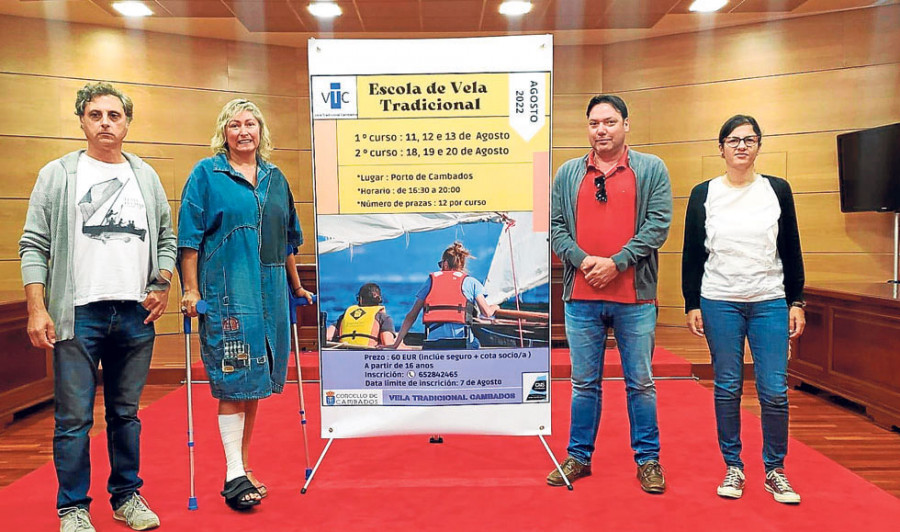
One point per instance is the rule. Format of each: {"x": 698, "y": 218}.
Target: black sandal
{"x": 235, "y": 491}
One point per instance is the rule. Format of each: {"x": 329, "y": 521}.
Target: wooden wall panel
{"x": 23, "y": 157}
{"x": 261, "y": 69}
{"x": 825, "y": 229}
{"x": 36, "y": 98}
{"x": 12, "y": 219}
{"x": 11, "y": 276}
{"x": 578, "y": 69}
{"x": 801, "y": 103}
{"x": 821, "y": 42}
{"x": 871, "y": 36}
{"x": 58, "y": 49}
{"x": 781, "y": 47}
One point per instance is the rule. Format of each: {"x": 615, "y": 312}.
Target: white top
{"x": 741, "y": 234}
{"x": 112, "y": 248}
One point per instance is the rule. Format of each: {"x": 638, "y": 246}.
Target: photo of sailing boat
{"x": 399, "y": 251}
{"x": 107, "y": 224}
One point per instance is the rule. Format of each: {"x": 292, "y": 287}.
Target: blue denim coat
{"x": 242, "y": 235}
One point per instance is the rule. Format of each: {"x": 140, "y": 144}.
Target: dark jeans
{"x": 110, "y": 334}
{"x": 765, "y": 325}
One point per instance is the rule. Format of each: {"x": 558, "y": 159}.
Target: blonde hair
{"x": 455, "y": 256}
{"x": 233, "y": 108}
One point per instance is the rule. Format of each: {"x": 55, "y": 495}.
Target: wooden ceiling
{"x": 581, "y": 20}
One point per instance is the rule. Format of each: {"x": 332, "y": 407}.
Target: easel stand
{"x": 540, "y": 436}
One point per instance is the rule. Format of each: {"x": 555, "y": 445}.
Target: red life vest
{"x": 445, "y": 302}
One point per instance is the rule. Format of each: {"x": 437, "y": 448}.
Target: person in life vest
{"x": 367, "y": 323}
{"x": 449, "y": 299}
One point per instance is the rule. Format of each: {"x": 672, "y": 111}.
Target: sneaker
{"x": 572, "y": 468}
{"x": 75, "y": 520}
{"x": 733, "y": 485}
{"x": 137, "y": 514}
{"x": 651, "y": 476}
{"x": 777, "y": 484}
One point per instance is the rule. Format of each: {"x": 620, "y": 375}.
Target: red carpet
{"x": 469, "y": 482}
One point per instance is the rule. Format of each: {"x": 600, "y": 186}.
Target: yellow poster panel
{"x": 444, "y": 141}
{"x": 433, "y": 95}
{"x": 429, "y": 188}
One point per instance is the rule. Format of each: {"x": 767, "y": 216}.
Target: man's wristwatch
{"x": 799, "y": 304}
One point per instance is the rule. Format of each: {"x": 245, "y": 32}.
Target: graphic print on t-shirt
{"x": 106, "y": 213}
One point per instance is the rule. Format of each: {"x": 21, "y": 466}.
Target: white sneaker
{"x": 75, "y": 520}
{"x": 137, "y": 514}
{"x": 733, "y": 485}
{"x": 777, "y": 484}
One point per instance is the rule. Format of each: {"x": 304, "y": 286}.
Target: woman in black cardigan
{"x": 742, "y": 277}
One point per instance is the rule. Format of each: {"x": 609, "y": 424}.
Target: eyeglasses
{"x": 734, "y": 142}
{"x": 600, "y": 183}
{"x": 440, "y": 264}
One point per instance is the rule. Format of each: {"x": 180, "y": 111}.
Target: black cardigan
{"x": 694, "y": 254}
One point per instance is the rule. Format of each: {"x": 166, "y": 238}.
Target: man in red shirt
{"x": 611, "y": 211}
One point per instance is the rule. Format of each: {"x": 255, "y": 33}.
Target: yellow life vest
{"x": 359, "y": 326}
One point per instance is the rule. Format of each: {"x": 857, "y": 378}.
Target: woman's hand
{"x": 695, "y": 322}
{"x": 796, "y": 321}
{"x": 189, "y": 302}
{"x": 303, "y": 292}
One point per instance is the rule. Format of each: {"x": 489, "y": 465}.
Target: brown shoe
{"x": 573, "y": 470}
{"x": 651, "y": 476}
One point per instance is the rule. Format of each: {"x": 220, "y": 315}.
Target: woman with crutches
{"x": 237, "y": 231}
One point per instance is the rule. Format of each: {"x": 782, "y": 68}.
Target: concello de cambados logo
{"x": 334, "y": 96}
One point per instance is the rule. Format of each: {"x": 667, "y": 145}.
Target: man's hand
{"x": 41, "y": 331}
{"x": 189, "y": 303}
{"x": 695, "y": 322}
{"x": 598, "y": 271}
{"x": 155, "y": 302}
{"x": 796, "y": 321}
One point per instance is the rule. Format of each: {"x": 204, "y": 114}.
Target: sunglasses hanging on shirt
{"x": 600, "y": 183}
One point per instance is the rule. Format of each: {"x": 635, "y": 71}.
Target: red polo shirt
{"x": 603, "y": 228}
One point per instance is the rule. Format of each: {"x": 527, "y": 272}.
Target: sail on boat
{"x": 112, "y": 223}
{"x": 520, "y": 262}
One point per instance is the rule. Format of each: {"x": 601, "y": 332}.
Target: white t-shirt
{"x": 741, "y": 235}
{"x": 112, "y": 247}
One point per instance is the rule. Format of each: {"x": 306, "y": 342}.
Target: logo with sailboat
{"x": 102, "y": 213}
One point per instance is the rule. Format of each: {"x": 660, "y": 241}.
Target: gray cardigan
{"x": 46, "y": 243}
{"x": 652, "y": 219}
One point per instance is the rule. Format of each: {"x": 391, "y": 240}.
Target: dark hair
{"x": 735, "y": 122}
{"x": 456, "y": 256}
{"x": 369, "y": 294}
{"x": 101, "y": 88}
{"x": 611, "y": 99}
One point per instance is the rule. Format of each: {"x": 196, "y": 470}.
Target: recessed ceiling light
{"x": 132, "y": 9}
{"x": 514, "y": 8}
{"x": 324, "y": 9}
{"x": 707, "y": 6}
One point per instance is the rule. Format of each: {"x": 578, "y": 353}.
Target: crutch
{"x": 201, "y": 309}
{"x": 299, "y": 302}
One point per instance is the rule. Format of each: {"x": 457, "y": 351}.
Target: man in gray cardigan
{"x": 610, "y": 213}
{"x": 98, "y": 254}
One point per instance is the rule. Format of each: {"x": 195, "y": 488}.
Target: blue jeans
{"x": 587, "y": 325}
{"x": 765, "y": 325}
{"x": 111, "y": 334}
